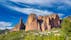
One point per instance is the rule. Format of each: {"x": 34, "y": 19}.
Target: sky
{"x": 12, "y": 10}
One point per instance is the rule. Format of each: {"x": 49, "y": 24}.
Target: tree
{"x": 66, "y": 25}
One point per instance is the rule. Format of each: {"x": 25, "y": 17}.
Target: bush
{"x": 22, "y": 35}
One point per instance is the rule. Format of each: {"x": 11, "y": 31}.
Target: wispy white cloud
{"x": 35, "y": 11}
{"x": 61, "y": 15}
{"x": 9, "y": 27}
{"x": 4, "y": 25}
{"x": 43, "y": 2}
{"x": 62, "y": 5}
{"x": 32, "y": 10}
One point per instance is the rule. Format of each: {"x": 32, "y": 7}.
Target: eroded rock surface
{"x": 31, "y": 23}
{"x": 39, "y": 23}
{"x": 19, "y": 26}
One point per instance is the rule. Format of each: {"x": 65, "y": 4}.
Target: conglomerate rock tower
{"x": 39, "y": 23}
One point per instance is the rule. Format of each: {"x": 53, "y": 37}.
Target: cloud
{"x": 61, "y": 15}
{"x": 44, "y": 2}
{"x": 35, "y": 11}
{"x": 30, "y": 1}
{"x": 4, "y": 25}
{"x": 60, "y": 5}
{"x": 32, "y": 10}
{"x": 9, "y": 27}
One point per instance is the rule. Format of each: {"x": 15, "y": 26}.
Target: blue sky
{"x": 12, "y": 10}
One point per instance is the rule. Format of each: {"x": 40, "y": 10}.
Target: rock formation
{"x": 40, "y": 23}
{"x": 46, "y": 23}
{"x": 55, "y": 21}
{"x": 19, "y": 26}
{"x": 31, "y": 23}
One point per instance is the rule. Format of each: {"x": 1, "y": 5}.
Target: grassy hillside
{"x": 31, "y": 35}
{"x": 64, "y": 33}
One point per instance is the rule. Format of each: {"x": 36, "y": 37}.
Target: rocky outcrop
{"x": 46, "y": 23}
{"x": 43, "y": 22}
{"x": 40, "y": 23}
{"x": 31, "y": 23}
{"x": 55, "y": 21}
{"x": 19, "y": 26}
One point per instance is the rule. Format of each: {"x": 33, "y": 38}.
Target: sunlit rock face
{"x": 19, "y": 26}
{"x": 31, "y": 23}
{"x": 46, "y": 23}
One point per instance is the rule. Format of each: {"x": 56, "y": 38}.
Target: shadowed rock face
{"x": 55, "y": 21}
{"x": 40, "y": 21}
{"x": 31, "y": 23}
{"x": 19, "y": 26}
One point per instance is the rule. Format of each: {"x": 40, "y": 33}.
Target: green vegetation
{"x": 22, "y": 35}
{"x": 63, "y": 33}
{"x": 66, "y": 27}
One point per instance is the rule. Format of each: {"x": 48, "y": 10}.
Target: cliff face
{"x": 46, "y": 23}
{"x": 19, "y": 26}
{"x": 31, "y": 23}
{"x": 42, "y": 23}
{"x": 55, "y": 21}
